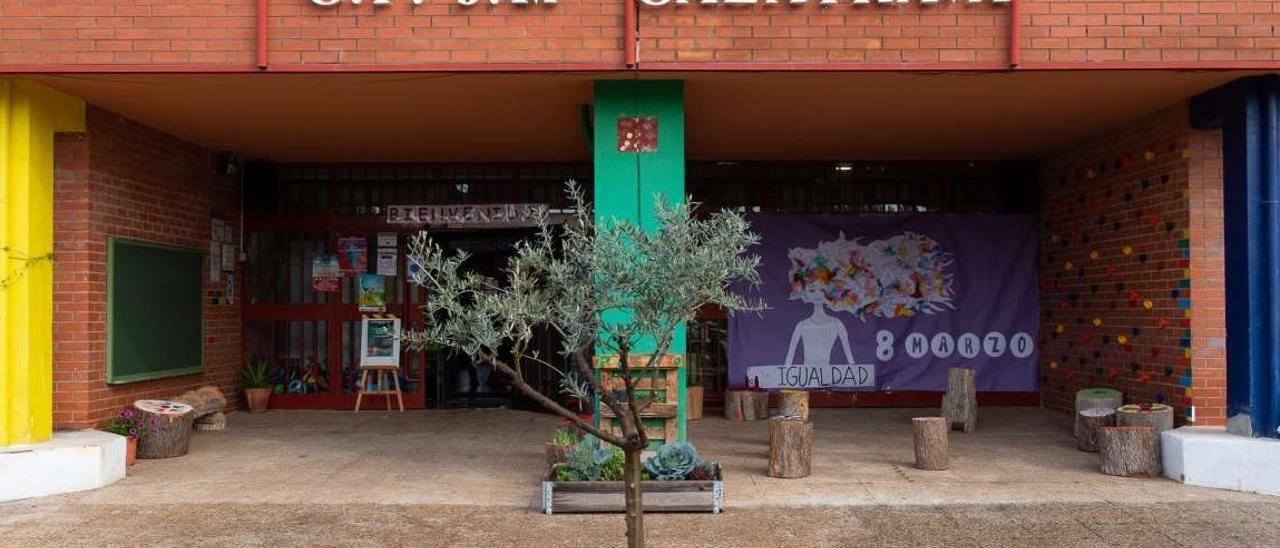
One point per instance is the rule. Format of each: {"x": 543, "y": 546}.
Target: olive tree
{"x": 609, "y": 288}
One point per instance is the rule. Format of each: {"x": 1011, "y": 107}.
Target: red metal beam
{"x": 54, "y": 69}
{"x": 262, "y": 34}
{"x": 1015, "y": 34}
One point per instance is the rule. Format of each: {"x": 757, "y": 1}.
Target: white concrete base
{"x": 1211, "y": 457}
{"x": 71, "y": 461}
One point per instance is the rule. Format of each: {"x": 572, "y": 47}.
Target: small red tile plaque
{"x": 637, "y": 134}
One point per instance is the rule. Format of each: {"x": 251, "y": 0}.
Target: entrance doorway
{"x": 310, "y": 338}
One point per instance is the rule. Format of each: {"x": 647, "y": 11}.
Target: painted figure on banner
{"x": 860, "y": 303}
{"x": 897, "y": 277}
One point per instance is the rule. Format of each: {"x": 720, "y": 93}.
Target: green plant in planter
{"x": 564, "y": 437}
{"x": 257, "y": 374}
{"x": 673, "y": 461}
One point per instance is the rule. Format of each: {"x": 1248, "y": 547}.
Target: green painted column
{"x": 628, "y": 181}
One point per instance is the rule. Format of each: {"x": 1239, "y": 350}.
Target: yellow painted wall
{"x": 29, "y": 116}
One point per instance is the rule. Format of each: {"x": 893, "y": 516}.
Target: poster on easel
{"x": 379, "y": 341}
{"x": 372, "y": 295}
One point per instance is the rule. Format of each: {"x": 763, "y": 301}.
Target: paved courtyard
{"x": 469, "y": 477}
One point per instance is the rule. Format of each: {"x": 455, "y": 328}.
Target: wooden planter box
{"x": 576, "y": 497}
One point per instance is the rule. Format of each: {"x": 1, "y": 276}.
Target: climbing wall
{"x": 1116, "y": 267}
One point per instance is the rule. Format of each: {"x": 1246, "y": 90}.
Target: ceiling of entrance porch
{"x": 390, "y": 117}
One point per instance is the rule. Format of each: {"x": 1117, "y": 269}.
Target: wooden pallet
{"x": 662, "y": 382}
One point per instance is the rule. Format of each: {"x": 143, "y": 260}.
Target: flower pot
{"x": 130, "y": 451}
{"x": 557, "y": 454}
{"x": 257, "y": 398}
{"x": 693, "y": 400}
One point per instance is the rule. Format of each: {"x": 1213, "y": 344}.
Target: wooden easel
{"x": 380, "y": 374}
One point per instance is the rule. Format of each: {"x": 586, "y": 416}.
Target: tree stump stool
{"x": 1089, "y": 421}
{"x": 790, "y": 447}
{"x": 170, "y": 424}
{"x": 746, "y": 405}
{"x": 1129, "y": 451}
{"x": 1157, "y": 415}
{"x": 794, "y": 403}
{"x": 210, "y": 423}
{"x": 932, "y": 448}
{"x": 1094, "y": 398}
{"x": 960, "y": 403}
{"x": 205, "y": 400}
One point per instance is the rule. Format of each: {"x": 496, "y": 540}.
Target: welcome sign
{"x": 890, "y": 303}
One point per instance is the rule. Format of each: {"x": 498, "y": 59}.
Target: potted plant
{"x": 561, "y": 445}
{"x": 133, "y": 426}
{"x": 591, "y": 480}
{"x": 693, "y": 389}
{"x": 579, "y": 395}
{"x": 257, "y": 385}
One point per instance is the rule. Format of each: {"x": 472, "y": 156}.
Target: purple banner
{"x": 890, "y": 303}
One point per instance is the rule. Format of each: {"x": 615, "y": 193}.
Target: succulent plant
{"x": 673, "y": 461}
{"x": 590, "y": 462}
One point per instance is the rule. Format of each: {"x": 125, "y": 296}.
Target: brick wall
{"x": 222, "y": 32}
{"x": 812, "y": 33}
{"x": 124, "y": 179}
{"x": 1149, "y": 30}
{"x": 1129, "y": 220}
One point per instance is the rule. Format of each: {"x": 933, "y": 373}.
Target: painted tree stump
{"x": 932, "y": 447}
{"x": 1090, "y": 420}
{"x": 790, "y": 447}
{"x": 1094, "y": 398}
{"x": 211, "y": 423}
{"x": 170, "y": 423}
{"x": 1129, "y": 451}
{"x": 794, "y": 403}
{"x": 960, "y": 403}
{"x": 1158, "y": 416}
{"x": 746, "y": 405}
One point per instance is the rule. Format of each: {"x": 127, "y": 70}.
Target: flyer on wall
{"x": 373, "y": 293}
{"x": 353, "y": 256}
{"x": 325, "y": 273}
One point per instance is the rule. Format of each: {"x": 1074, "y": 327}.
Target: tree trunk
{"x": 1088, "y": 422}
{"x": 932, "y": 447}
{"x": 790, "y": 447}
{"x": 1158, "y": 416}
{"x": 1094, "y": 398}
{"x": 634, "y": 497}
{"x": 794, "y": 402}
{"x": 171, "y": 421}
{"x": 960, "y": 403}
{"x": 746, "y": 405}
{"x": 1130, "y": 451}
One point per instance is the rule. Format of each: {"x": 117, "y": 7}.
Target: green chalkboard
{"x": 154, "y": 311}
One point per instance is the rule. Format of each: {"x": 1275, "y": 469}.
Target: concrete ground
{"x": 469, "y": 478}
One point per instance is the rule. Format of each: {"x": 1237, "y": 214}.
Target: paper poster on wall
{"x": 372, "y": 294}
{"x": 228, "y": 257}
{"x": 890, "y": 303}
{"x": 325, "y": 273}
{"x": 229, "y": 290}
{"x": 387, "y": 239}
{"x": 353, "y": 256}
{"x": 386, "y": 262}
{"x": 215, "y": 262}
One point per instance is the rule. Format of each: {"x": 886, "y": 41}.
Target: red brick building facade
{"x": 1093, "y": 93}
